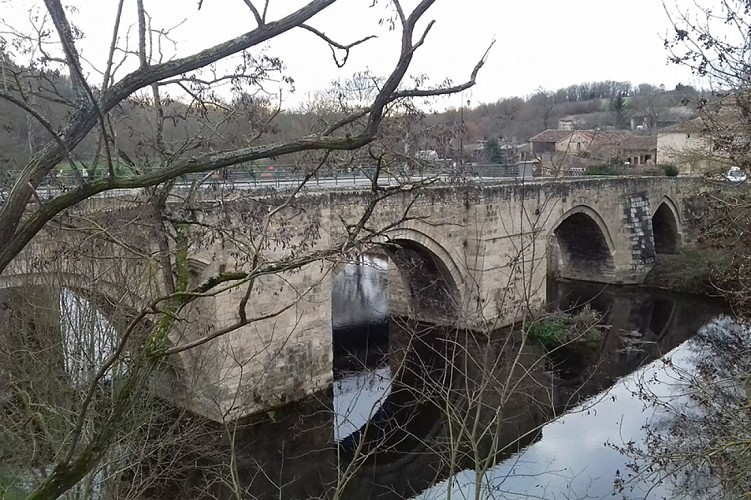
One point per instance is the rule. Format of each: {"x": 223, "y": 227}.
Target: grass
{"x": 560, "y": 327}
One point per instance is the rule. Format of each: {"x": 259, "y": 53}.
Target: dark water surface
{"x": 577, "y": 455}
{"x": 415, "y": 408}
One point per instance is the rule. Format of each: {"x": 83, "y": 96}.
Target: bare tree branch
{"x": 335, "y": 45}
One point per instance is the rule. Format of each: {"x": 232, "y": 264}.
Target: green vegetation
{"x": 670, "y": 170}
{"x": 600, "y": 170}
{"x": 493, "y": 153}
{"x": 692, "y": 270}
{"x": 559, "y": 328}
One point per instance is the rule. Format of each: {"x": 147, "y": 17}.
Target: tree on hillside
{"x": 618, "y": 110}
{"x": 652, "y": 103}
{"x": 165, "y": 121}
{"x": 546, "y": 101}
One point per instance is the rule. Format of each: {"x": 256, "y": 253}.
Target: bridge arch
{"x": 115, "y": 304}
{"x": 403, "y": 354}
{"x": 429, "y": 274}
{"x": 580, "y": 246}
{"x": 666, "y": 227}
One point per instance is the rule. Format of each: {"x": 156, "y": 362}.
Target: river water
{"x": 577, "y": 454}
{"x": 426, "y": 412}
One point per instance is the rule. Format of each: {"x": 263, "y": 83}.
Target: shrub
{"x": 670, "y": 170}
{"x": 559, "y": 328}
{"x": 692, "y": 270}
{"x": 600, "y": 170}
{"x": 548, "y": 331}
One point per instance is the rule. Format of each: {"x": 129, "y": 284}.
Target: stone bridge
{"x": 471, "y": 256}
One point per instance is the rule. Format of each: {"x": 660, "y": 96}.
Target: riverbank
{"x": 696, "y": 271}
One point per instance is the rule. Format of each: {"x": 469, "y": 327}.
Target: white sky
{"x": 540, "y": 43}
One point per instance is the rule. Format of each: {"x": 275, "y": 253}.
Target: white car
{"x": 735, "y": 175}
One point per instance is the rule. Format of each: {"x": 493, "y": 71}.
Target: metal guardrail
{"x": 288, "y": 176}
{"x": 284, "y": 176}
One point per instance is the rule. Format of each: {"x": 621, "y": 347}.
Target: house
{"x": 550, "y": 141}
{"x": 623, "y": 146}
{"x": 685, "y": 146}
{"x": 575, "y": 150}
{"x": 639, "y": 150}
{"x": 474, "y": 152}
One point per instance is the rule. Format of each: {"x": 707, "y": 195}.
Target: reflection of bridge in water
{"x": 406, "y": 445}
{"x": 644, "y": 324}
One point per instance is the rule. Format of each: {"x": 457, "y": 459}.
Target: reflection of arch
{"x": 584, "y": 244}
{"x": 428, "y": 270}
{"x": 665, "y": 227}
{"x": 408, "y": 416}
{"x": 359, "y": 313}
{"x": 662, "y": 318}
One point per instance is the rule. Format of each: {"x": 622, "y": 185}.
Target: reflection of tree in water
{"x": 359, "y": 292}
{"x": 700, "y": 438}
{"x": 359, "y": 308}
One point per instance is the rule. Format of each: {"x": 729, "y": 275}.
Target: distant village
{"x": 672, "y": 138}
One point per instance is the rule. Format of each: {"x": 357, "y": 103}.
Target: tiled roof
{"x": 551, "y": 135}
{"x": 691, "y": 126}
{"x": 640, "y": 143}
{"x": 622, "y": 139}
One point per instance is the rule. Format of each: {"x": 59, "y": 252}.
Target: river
{"x": 431, "y": 413}
{"x": 577, "y": 454}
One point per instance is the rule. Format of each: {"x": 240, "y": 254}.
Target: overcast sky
{"x": 539, "y": 43}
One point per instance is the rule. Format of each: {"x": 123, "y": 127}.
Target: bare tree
{"x": 698, "y": 442}
{"x": 713, "y": 43}
{"x": 92, "y": 106}
{"x": 103, "y": 145}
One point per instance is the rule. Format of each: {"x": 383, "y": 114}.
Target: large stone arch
{"x": 413, "y": 354}
{"x": 666, "y": 227}
{"x": 581, "y": 247}
{"x": 114, "y": 293}
{"x": 421, "y": 281}
{"x": 115, "y": 303}
{"x": 429, "y": 274}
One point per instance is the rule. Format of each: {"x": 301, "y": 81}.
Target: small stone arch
{"x": 74, "y": 281}
{"x": 666, "y": 227}
{"x": 581, "y": 247}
